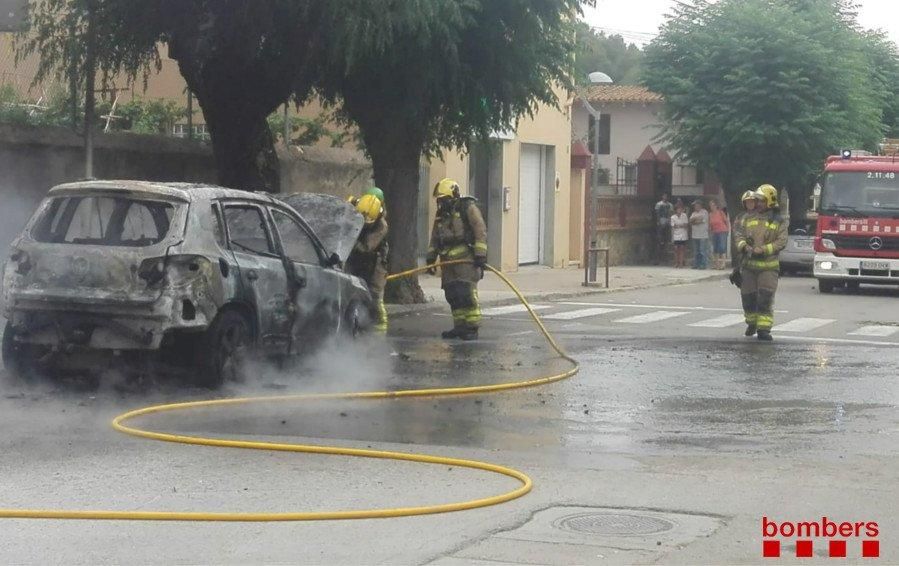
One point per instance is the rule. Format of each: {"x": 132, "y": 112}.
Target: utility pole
{"x": 73, "y": 76}
{"x": 90, "y": 70}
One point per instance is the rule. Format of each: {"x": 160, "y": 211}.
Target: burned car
{"x": 203, "y": 275}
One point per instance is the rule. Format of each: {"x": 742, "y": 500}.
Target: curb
{"x": 405, "y": 310}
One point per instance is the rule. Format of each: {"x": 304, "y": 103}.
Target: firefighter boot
{"x": 765, "y": 336}
{"x": 469, "y": 334}
{"x": 456, "y": 332}
{"x": 750, "y": 329}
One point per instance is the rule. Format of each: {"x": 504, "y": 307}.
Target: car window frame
{"x": 319, "y": 249}
{"x": 266, "y": 226}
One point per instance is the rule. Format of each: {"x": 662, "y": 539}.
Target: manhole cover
{"x": 619, "y": 524}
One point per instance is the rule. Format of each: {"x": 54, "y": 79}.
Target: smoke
{"x": 340, "y": 365}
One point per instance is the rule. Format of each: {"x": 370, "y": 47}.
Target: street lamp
{"x": 595, "y": 78}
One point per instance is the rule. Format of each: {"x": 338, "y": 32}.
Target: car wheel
{"x": 226, "y": 349}
{"x": 825, "y": 286}
{"x": 20, "y": 360}
{"x": 853, "y": 286}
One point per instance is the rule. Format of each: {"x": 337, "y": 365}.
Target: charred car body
{"x": 206, "y": 274}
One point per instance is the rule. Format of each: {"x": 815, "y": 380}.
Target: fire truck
{"x": 857, "y": 238}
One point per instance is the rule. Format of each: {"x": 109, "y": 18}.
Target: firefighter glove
{"x": 480, "y": 261}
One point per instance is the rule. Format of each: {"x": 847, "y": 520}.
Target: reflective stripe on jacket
{"x": 761, "y": 229}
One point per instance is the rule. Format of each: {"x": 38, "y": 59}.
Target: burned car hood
{"x": 335, "y": 221}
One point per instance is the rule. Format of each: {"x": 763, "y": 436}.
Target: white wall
{"x": 633, "y": 128}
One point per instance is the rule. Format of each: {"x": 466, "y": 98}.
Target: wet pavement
{"x": 675, "y": 426}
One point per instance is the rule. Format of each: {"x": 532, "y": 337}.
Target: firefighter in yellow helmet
{"x": 459, "y": 233}
{"x": 368, "y": 260}
{"x": 760, "y": 237}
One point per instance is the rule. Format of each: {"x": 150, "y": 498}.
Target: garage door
{"x": 530, "y": 200}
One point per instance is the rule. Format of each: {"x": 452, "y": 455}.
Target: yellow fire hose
{"x": 119, "y": 424}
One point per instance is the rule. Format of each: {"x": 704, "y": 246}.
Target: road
{"x": 672, "y": 443}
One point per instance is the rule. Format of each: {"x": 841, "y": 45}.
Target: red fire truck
{"x": 857, "y": 239}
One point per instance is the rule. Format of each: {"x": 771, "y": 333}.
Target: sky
{"x": 639, "y": 20}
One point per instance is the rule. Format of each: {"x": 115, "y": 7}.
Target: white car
{"x": 799, "y": 255}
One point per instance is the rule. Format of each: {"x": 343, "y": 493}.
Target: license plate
{"x": 804, "y": 243}
{"x": 875, "y": 265}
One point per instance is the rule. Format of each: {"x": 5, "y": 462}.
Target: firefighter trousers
{"x": 757, "y": 290}
{"x": 462, "y": 297}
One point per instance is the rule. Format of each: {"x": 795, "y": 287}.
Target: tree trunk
{"x": 245, "y": 156}
{"x": 399, "y": 179}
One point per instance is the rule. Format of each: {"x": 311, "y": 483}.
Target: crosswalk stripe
{"x": 654, "y": 316}
{"x": 880, "y": 330}
{"x": 722, "y": 321}
{"x": 803, "y": 324}
{"x": 512, "y": 309}
{"x": 580, "y": 313}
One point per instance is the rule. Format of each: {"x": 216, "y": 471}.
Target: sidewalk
{"x": 544, "y": 283}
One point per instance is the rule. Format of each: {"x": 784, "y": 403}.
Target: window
{"x": 104, "y": 221}
{"x": 247, "y": 231}
{"x": 298, "y": 246}
{"x": 700, "y": 175}
{"x": 605, "y": 135}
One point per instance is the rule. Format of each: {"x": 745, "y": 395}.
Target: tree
{"x": 885, "y": 66}
{"x": 760, "y": 91}
{"x": 240, "y": 58}
{"x": 596, "y": 51}
{"x": 419, "y": 76}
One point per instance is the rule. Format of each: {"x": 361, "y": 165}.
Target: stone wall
{"x": 627, "y": 246}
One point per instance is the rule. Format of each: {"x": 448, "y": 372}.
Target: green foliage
{"x": 422, "y": 75}
{"x": 762, "y": 91}
{"x": 596, "y": 51}
{"x": 153, "y": 116}
{"x": 884, "y": 58}
{"x": 308, "y": 131}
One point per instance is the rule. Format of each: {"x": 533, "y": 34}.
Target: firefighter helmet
{"x": 769, "y": 194}
{"x": 446, "y": 188}
{"x": 749, "y": 195}
{"x": 375, "y": 191}
{"x": 369, "y": 206}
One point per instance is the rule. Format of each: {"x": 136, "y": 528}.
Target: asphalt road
{"x": 673, "y": 442}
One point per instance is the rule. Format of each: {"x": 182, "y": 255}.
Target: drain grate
{"x": 617, "y": 524}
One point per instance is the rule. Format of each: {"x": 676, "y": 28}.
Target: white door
{"x": 531, "y": 177}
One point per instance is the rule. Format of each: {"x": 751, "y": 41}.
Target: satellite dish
{"x": 599, "y": 78}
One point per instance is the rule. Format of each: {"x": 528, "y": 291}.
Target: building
{"x": 523, "y": 180}
{"x": 634, "y": 169}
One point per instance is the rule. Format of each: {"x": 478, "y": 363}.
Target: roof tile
{"x": 607, "y": 94}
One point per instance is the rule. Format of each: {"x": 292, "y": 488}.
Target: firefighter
{"x": 459, "y": 234}
{"x": 761, "y": 235}
{"x": 368, "y": 260}
{"x": 748, "y": 199}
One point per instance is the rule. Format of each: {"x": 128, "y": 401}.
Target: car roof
{"x": 180, "y": 191}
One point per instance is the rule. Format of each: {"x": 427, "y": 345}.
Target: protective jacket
{"x": 368, "y": 259}
{"x": 459, "y": 233}
{"x": 761, "y": 229}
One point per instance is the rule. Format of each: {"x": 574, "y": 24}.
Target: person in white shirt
{"x": 699, "y": 234}
{"x": 680, "y": 234}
